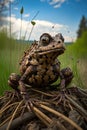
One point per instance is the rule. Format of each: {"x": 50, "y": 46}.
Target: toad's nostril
{"x": 53, "y": 46}
{"x": 59, "y": 41}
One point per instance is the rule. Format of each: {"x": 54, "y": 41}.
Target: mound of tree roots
{"x": 50, "y": 109}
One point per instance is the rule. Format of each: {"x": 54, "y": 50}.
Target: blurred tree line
{"x": 82, "y": 26}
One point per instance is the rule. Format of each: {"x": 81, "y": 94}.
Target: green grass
{"x": 70, "y": 59}
{"x": 10, "y": 54}
{"x": 75, "y": 57}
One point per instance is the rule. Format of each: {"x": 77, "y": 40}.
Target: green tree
{"x": 82, "y": 27}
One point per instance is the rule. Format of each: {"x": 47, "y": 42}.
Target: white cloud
{"x": 54, "y": 3}
{"x": 41, "y": 26}
{"x": 13, "y": 15}
{"x": 15, "y": 8}
{"x": 7, "y": 2}
{"x": 26, "y": 15}
{"x": 57, "y": 5}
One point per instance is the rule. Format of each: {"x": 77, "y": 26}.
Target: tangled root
{"x": 47, "y": 113}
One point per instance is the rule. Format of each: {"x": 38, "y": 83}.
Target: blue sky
{"x": 63, "y": 15}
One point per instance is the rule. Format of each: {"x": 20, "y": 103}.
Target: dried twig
{"x": 28, "y": 116}
{"x": 10, "y": 105}
{"x": 45, "y": 119}
{"x": 79, "y": 108}
{"x": 61, "y": 115}
{"x": 9, "y": 124}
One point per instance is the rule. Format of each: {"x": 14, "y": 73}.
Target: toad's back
{"x": 43, "y": 69}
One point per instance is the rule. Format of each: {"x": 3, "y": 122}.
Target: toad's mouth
{"x": 51, "y": 50}
{"x": 59, "y": 51}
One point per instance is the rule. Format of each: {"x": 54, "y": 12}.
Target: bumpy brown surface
{"x": 48, "y": 112}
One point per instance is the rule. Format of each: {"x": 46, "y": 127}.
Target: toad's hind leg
{"x": 66, "y": 76}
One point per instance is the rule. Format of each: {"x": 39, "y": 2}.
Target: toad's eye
{"x": 59, "y": 38}
{"x": 45, "y": 40}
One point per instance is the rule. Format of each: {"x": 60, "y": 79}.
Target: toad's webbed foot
{"x": 13, "y": 95}
{"x": 29, "y": 103}
{"x": 61, "y": 98}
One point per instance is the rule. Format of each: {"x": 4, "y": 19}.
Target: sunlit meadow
{"x": 11, "y": 52}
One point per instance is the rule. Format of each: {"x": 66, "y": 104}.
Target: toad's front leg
{"x": 28, "y": 101}
{"x": 13, "y": 82}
